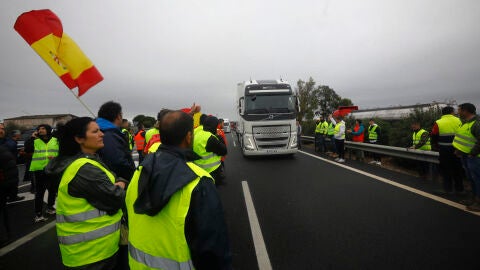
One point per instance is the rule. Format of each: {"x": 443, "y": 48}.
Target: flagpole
{"x": 81, "y": 102}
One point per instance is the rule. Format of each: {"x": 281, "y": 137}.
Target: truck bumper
{"x": 270, "y": 152}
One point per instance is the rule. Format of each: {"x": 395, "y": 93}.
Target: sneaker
{"x": 475, "y": 207}
{"x": 337, "y": 159}
{"x": 378, "y": 163}
{"x": 50, "y": 211}
{"x": 341, "y": 160}
{"x": 38, "y": 219}
{"x": 467, "y": 202}
{"x": 372, "y": 162}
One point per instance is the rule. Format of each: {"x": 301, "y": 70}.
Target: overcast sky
{"x": 156, "y": 54}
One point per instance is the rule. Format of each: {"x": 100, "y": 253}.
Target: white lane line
{"x": 26, "y": 238}
{"x": 233, "y": 140}
{"x": 393, "y": 183}
{"x": 30, "y": 197}
{"x": 258, "y": 242}
{"x": 24, "y": 185}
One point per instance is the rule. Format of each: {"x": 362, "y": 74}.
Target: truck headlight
{"x": 293, "y": 141}
{"x": 248, "y": 142}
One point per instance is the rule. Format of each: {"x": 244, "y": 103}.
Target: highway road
{"x": 307, "y": 212}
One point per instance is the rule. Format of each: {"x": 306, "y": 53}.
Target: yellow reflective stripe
{"x": 209, "y": 156}
{"x": 209, "y": 165}
{"x": 88, "y": 236}
{"x": 158, "y": 262}
{"x": 447, "y": 134}
{"x": 470, "y": 145}
{"x": 467, "y": 138}
{"x": 39, "y": 151}
{"x": 80, "y": 216}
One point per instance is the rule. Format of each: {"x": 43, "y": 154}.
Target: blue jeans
{"x": 472, "y": 170}
{"x": 320, "y": 142}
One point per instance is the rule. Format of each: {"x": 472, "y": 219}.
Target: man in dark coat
{"x": 11, "y": 145}
{"x": 116, "y": 153}
{"x": 8, "y": 178}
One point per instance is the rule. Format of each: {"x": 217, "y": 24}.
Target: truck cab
{"x": 267, "y": 111}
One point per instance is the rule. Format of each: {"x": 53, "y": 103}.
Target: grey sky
{"x": 156, "y": 54}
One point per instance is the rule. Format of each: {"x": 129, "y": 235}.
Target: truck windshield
{"x": 268, "y": 104}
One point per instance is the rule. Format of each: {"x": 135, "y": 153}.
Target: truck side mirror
{"x": 297, "y": 104}
{"x": 241, "y": 106}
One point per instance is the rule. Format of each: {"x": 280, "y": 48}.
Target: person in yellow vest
{"x": 330, "y": 132}
{"x": 43, "y": 147}
{"x": 373, "y": 137}
{"x": 339, "y": 137}
{"x": 467, "y": 147}
{"x": 442, "y": 135}
{"x": 421, "y": 141}
{"x": 210, "y": 147}
{"x": 128, "y": 135}
{"x": 175, "y": 215}
{"x": 90, "y": 198}
{"x": 321, "y": 130}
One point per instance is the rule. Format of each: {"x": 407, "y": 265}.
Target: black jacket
{"x": 90, "y": 183}
{"x": 8, "y": 168}
{"x": 165, "y": 173}
{"x": 116, "y": 152}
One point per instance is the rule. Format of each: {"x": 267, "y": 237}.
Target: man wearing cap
{"x": 467, "y": 146}
{"x": 44, "y": 148}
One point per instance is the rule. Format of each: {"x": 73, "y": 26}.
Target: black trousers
{"x": 340, "y": 146}
{"x": 4, "y": 225}
{"x": 376, "y": 157}
{"x": 451, "y": 170}
{"x": 43, "y": 183}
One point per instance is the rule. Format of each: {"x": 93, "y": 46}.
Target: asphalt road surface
{"x": 313, "y": 214}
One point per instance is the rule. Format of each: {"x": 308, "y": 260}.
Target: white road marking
{"x": 233, "y": 140}
{"x": 393, "y": 183}
{"x": 258, "y": 242}
{"x": 26, "y": 238}
{"x": 24, "y": 185}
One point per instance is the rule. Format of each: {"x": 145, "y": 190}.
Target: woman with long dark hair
{"x": 90, "y": 198}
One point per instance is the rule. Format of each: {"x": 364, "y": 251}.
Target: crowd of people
{"x": 456, "y": 137}
{"x": 110, "y": 214}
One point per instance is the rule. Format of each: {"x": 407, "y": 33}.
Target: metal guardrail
{"x": 414, "y": 154}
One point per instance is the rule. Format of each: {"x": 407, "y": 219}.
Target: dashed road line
{"x": 393, "y": 183}
{"x": 233, "y": 140}
{"x": 260, "y": 248}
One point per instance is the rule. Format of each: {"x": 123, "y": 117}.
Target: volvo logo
{"x": 271, "y": 116}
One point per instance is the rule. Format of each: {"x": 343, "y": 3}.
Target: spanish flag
{"x": 43, "y": 31}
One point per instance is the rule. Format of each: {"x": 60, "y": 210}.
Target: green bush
{"x": 308, "y": 127}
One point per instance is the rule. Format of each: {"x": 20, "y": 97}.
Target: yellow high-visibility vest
{"x": 416, "y": 136}
{"x": 209, "y": 161}
{"x": 159, "y": 242}
{"x": 464, "y": 140}
{"x": 85, "y": 234}
{"x": 41, "y": 153}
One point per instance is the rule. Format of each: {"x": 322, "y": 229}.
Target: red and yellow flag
{"x": 43, "y": 31}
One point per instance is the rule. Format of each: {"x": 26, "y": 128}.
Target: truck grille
{"x": 271, "y": 137}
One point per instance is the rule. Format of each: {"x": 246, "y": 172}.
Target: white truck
{"x": 267, "y": 111}
{"x": 226, "y": 125}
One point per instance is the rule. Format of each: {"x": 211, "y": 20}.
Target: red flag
{"x": 43, "y": 31}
